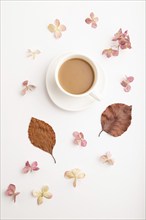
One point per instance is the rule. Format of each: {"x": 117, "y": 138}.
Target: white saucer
{"x": 62, "y": 100}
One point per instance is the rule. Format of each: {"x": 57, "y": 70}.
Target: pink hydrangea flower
{"x": 123, "y": 42}
{"x": 57, "y": 28}
{"x": 126, "y": 83}
{"x": 92, "y": 20}
{"x": 11, "y": 191}
{"x": 79, "y": 139}
{"x": 123, "y": 39}
{"x": 32, "y": 167}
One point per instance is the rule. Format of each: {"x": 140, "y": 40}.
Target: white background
{"x": 115, "y": 192}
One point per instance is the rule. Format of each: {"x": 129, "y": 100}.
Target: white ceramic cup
{"x": 92, "y": 91}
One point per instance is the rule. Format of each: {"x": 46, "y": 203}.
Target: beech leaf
{"x": 42, "y": 135}
{"x": 116, "y": 119}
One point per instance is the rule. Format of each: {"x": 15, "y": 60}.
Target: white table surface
{"x": 115, "y": 192}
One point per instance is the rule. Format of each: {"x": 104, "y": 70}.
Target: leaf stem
{"x": 100, "y": 133}
{"x": 53, "y": 158}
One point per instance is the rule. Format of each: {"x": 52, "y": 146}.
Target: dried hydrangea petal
{"x": 57, "y": 34}
{"x": 31, "y": 87}
{"x": 69, "y": 174}
{"x": 57, "y": 22}
{"x": 40, "y": 200}
{"x": 93, "y": 25}
{"x": 62, "y": 28}
{"x": 88, "y": 20}
{"x": 25, "y": 83}
{"x": 51, "y": 27}
{"x": 47, "y": 195}
{"x": 127, "y": 88}
{"x": 45, "y": 189}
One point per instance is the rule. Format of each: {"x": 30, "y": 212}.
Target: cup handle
{"x": 97, "y": 97}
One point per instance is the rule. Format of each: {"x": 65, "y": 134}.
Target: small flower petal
{"x": 23, "y": 92}
{"x": 110, "y": 162}
{"x": 127, "y": 88}
{"x": 94, "y": 25}
{"x": 10, "y": 190}
{"x": 47, "y": 195}
{"x": 117, "y": 35}
{"x": 130, "y": 78}
{"x": 92, "y": 15}
{"x": 107, "y": 52}
{"x": 81, "y": 135}
{"x": 62, "y": 27}
{"x": 88, "y": 20}
{"x": 51, "y": 27}
{"x": 31, "y": 87}
{"x": 76, "y": 141}
{"x": 26, "y": 169}
{"x": 57, "y": 34}
{"x": 68, "y": 174}
{"x": 25, "y": 83}
{"x": 57, "y": 22}
{"x": 75, "y": 133}
{"x": 34, "y": 166}
{"x": 40, "y": 200}
{"x": 115, "y": 52}
{"x": 103, "y": 158}
{"x": 83, "y": 143}
{"x": 27, "y": 164}
{"x": 45, "y": 189}
{"x": 124, "y": 83}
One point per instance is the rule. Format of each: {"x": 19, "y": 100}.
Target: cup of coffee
{"x": 76, "y": 76}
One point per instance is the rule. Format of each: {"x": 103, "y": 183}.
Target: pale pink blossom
{"x": 79, "y": 139}
{"x": 92, "y": 20}
{"x": 122, "y": 42}
{"x": 30, "y": 168}
{"x": 57, "y": 28}
{"x": 126, "y": 83}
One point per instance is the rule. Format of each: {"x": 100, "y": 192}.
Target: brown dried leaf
{"x": 42, "y": 135}
{"x": 116, "y": 119}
